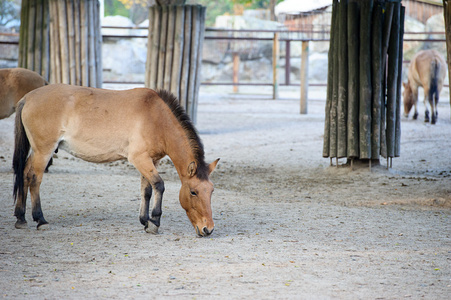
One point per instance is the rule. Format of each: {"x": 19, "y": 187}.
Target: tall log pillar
{"x": 174, "y": 52}
{"x": 363, "y": 119}
{"x": 61, "y": 40}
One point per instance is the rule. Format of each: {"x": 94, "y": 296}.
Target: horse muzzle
{"x": 204, "y": 232}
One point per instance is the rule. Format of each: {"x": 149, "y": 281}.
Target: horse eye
{"x": 193, "y": 193}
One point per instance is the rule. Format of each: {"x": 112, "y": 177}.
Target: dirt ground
{"x": 288, "y": 225}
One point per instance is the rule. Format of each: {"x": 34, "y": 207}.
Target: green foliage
{"x": 9, "y": 11}
{"x": 116, "y": 8}
{"x": 214, "y": 9}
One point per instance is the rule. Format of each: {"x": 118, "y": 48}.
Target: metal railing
{"x": 233, "y": 35}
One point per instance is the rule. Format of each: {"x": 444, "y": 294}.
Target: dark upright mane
{"x": 196, "y": 144}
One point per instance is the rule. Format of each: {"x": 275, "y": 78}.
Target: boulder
{"x": 436, "y": 23}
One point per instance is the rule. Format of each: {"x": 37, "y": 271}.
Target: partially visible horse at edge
{"x": 97, "y": 125}
{"x": 427, "y": 69}
{"x": 14, "y": 84}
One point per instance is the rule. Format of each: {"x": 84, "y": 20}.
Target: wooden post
{"x": 304, "y": 76}
{"x": 334, "y": 103}
{"x": 376, "y": 77}
{"x": 178, "y": 51}
{"x": 447, "y": 15}
{"x": 287, "y": 61}
{"x": 365, "y": 80}
{"x": 275, "y": 65}
{"x": 393, "y": 56}
{"x": 353, "y": 80}
{"x": 236, "y": 69}
{"x": 399, "y": 83}
{"x": 184, "y": 82}
{"x": 329, "y": 92}
{"x": 174, "y": 48}
{"x": 388, "y": 16}
{"x": 342, "y": 104}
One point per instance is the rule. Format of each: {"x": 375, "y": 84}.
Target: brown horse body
{"x": 97, "y": 125}
{"x": 14, "y": 84}
{"x": 428, "y": 70}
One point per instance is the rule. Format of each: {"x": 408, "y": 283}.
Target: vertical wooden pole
{"x": 399, "y": 83}
{"x": 393, "y": 56}
{"x": 342, "y": 105}
{"x": 162, "y": 47}
{"x": 31, "y": 34}
{"x": 388, "y": 17}
{"x": 287, "y": 61}
{"x": 236, "y": 70}
{"x": 329, "y": 92}
{"x": 186, "y": 57}
{"x": 198, "y": 77}
{"x": 45, "y": 71}
{"x": 275, "y": 65}
{"x": 376, "y": 77}
{"x": 84, "y": 43}
{"x": 63, "y": 41}
{"x": 365, "y": 80}
{"x": 334, "y": 103}
{"x": 178, "y": 51}
{"x": 71, "y": 38}
{"x": 77, "y": 42}
{"x": 353, "y": 80}
{"x": 304, "y": 77}
{"x": 169, "y": 48}
{"x": 153, "y": 48}
{"x": 91, "y": 45}
{"x": 447, "y": 16}
{"x": 38, "y": 37}
{"x": 196, "y": 23}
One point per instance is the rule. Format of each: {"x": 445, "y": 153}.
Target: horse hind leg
{"x": 34, "y": 177}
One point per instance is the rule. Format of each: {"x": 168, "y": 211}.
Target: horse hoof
{"x": 21, "y": 225}
{"x": 43, "y": 226}
{"x": 151, "y": 228}
{"x": 415, "y": 116}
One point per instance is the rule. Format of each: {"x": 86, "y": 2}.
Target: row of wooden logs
{"x": 62, "y": 41}
{"x": 363, "y": 108}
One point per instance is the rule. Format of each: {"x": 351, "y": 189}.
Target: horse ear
{"x": 404, "y": 84}
{"x": 212, "y": 166}
{"x": 192, "y": 169}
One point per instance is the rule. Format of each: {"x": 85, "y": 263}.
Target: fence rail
{"x": 285, "y": 36}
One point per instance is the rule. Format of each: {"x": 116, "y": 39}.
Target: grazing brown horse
{"x": 14, "y": 84}
{"x": 427, "y": 69}
{"x": 99, "y": 126}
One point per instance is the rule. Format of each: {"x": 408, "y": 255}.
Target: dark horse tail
{"x": 21, "y": 150}
{"x": 433, "y": 89}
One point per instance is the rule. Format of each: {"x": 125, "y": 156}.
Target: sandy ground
{"x": 288, "y": 226}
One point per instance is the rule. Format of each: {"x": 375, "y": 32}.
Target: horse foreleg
{"x": 34, "y": 177}
{"x": 146, "y": 194}
{"x": 150, "y": 180}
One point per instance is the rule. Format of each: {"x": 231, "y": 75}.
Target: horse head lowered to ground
{"x": 428, "y": 70}
{"x": 97, "y": 125}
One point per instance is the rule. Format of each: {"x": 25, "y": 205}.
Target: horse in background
{"x": 14, "y": 84}
{"x": 428, "y": 70}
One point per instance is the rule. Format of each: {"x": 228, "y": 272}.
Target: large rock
{"x": 411, "y": 48}
{"x": 436, "y": 23}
